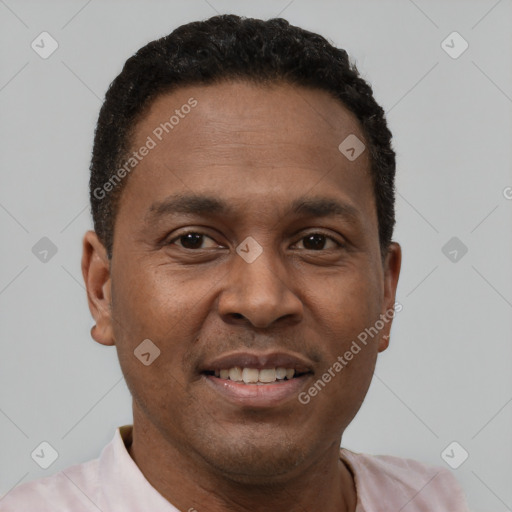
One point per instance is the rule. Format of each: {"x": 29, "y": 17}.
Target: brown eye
{"x": 318, "y": 241}
{"x": 192, "y": 240}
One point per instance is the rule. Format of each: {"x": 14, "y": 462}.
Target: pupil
{"x": 191, "y": 240}
{"x": 317, "y": 242}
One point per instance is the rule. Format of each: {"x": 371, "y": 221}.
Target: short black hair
{"x": 223, "y": 48}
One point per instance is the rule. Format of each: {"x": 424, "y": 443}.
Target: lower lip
{"x": 264, "y": 395}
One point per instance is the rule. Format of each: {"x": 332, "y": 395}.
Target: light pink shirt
{"x": 114, "y": 483}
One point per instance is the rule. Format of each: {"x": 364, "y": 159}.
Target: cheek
{"x": 146, "y": 317}
{"x": 167, "y": 307}
{"x": 157, "y": 300}
{"x": 345, "y": 305}
{"x": 346, "y": 309}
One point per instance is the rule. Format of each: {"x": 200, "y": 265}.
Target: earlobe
{"x": 96, "y": 274}
{"x": 383, "y": 342}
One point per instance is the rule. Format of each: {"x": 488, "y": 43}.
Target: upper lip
{"x": 259, "y": 360}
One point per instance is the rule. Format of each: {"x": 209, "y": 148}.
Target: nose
{"x": 259, "y": 293}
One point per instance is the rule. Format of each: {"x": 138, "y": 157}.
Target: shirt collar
{"x": 123, "y": 484}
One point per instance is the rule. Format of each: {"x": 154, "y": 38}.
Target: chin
{"x": 252, "y": 458}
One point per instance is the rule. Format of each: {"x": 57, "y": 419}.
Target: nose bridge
{"x": 262, "y": 277}
{"x": 258, "y": 287}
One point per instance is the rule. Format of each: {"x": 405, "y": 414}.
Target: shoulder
{"x": 74, "y": 488}
{"x": 395, "y": 483}
{"x": 80, "y": 488}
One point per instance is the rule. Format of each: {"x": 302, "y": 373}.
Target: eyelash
{"x": 339, "y": 244}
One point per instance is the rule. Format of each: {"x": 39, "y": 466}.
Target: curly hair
{"x": 229, "y": 47}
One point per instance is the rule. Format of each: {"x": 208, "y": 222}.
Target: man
{"x": 242, "y": 263}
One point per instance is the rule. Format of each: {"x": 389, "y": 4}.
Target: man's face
{"x": 265, "y": 170}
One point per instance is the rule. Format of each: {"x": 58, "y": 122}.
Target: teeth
{"x": 255, "y": 376}
{"x": 236, "y": 374}
{"x": 250, "y": 375}
{"x": 280, "y": 373}
{"x": 267, "y": 375}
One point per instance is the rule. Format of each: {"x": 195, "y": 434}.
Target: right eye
{"x": 192, "y": 240}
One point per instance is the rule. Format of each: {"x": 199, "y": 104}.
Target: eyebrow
{"x": 189, "y": 204}
{"x": 325, "y": 207}
{"x": 193, "y": 204}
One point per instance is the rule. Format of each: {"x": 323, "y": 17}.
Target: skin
{"x": 258, "y": 148}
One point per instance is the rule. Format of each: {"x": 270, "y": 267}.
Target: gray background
{"x": 447, "y": 374}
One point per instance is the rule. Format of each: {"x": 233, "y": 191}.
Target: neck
{"x": 189, "y": 483}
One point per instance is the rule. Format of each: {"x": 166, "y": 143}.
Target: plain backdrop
{"x": 447, "y": 374}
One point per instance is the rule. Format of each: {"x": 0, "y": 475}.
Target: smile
{"x": 255, "y": 375}
{"x": 259, "y": 380}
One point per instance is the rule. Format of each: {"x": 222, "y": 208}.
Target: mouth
{"x": 258, "y": 380}
{"x": 256, "y": 376}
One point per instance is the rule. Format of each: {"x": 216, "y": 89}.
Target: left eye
{"x": 193, "y": 240}
{"x": 318, "y": 241}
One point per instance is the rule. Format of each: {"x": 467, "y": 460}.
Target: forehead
{"x": 248, "y": 143}
{"x": 246, "y": 116}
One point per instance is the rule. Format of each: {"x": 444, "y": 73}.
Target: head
{"x": 232, "y": 229}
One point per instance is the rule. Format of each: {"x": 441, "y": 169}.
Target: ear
{"x": 96, "y": 273}
{"x": 392, "y": 264}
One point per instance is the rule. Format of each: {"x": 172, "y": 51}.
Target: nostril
{"x": 237, "y": 315}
